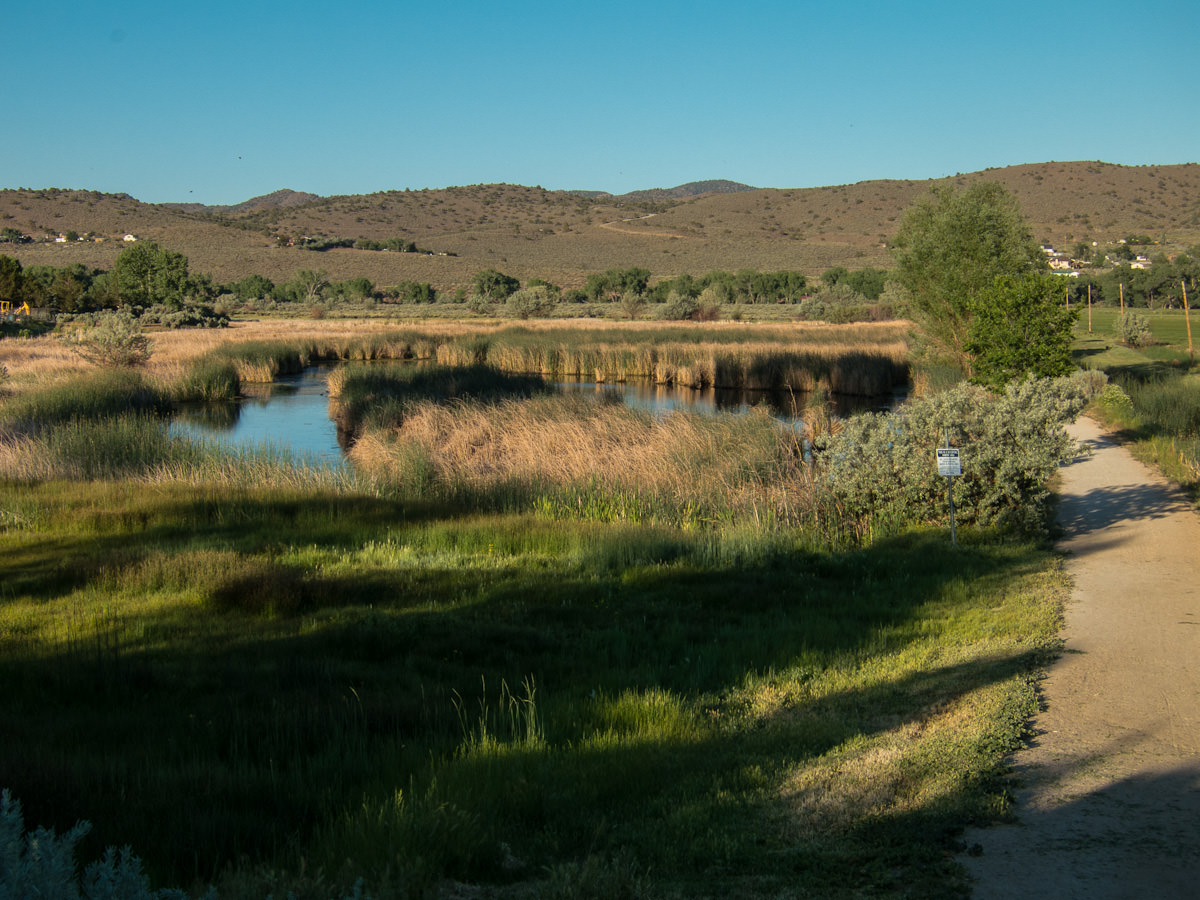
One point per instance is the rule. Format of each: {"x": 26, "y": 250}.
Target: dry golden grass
{"x": 751, "y": 463}
{"x": 40, "y": 360}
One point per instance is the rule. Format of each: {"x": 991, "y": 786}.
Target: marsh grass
{"x": 330, "y": 672}
{"x": 101, "y": 394}
{"x": 577, "y": 457}
{"x": 540, "y": 645}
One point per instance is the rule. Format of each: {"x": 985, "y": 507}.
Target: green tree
{"x": 11, "y": 278}
{"x": 68, "y": 290}
{"x": 253, "y": 287}
{"x": 950, "y": 249}
{"x": 309, "y": 284}
{"x": 495, "y": 286}
{"x": 1021, "y": 327}
{"x": 834, "y": 275}
{"x": 868, "y": 282}
{"x": 146, "y": 274}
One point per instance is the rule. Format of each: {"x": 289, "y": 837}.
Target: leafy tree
{"x": 1021, "y": 327}
{"x": 681, "y": 306}
{"x": 634, "y": 279}
{"x": 414, "y": 292}
{"x": 253, "y": 287}
{"x": 495, "y": 286}
{"x": 309, "y": 285}
{"x": 68, "y": 290}
{"x": 950, "y": 249}
{"x": 146, "y": 274}
{"x": 868, "y": 282}
{"x": 357, "y": 288}
{"x": 632, "y": 305}
{"x": 11, "y": 278}
{"x": 553, "y": 290}
{"x": 834, "y": 275}
{"x": 612, "y": 285}
{"x": 598, "y": 287}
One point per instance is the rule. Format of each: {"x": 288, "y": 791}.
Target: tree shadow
{"x": 204, "y": 725}
{"x": 1105, "y": 507}
{"x": 1136, "y": 836}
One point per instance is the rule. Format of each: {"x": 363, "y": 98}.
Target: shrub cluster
{"x": 42, "y": 864}
{"x": 880, "y": 468}
{"x": 1133, "y": 329}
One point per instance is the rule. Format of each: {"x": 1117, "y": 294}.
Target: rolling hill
{"x": 563, "y": 236}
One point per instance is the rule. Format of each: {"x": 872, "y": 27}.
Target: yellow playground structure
{"x": 10, "y": 310}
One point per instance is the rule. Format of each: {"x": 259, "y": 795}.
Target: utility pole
{"x": 1187, "y": 320}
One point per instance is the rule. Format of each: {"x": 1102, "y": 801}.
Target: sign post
{"x": 949, "y": 462}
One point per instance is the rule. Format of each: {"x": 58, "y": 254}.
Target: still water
{"x": 292, "y": 415}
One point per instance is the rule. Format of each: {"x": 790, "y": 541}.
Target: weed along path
{"x": 1108, "y": 798}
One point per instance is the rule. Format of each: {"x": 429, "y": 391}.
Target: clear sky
{"x": 218, "y": 102}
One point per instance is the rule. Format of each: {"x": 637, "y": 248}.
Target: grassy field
{"x": 1154, "y": 404}
{"x": 273, "y": 678}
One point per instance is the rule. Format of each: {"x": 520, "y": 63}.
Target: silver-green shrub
{"x": 42, "y": 864}
{"x": 109, "y": 338}
{"x": 1133, "y": 329}
{"x": 881, "y": 473}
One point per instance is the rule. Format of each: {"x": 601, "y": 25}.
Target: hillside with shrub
{"x": 566, "y": 236}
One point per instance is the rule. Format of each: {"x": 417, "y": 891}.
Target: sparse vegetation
{"x": 560, "y": 230}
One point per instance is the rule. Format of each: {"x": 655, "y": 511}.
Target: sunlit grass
{"x": 410, "y": 691}
{"x": 543, "y": 645}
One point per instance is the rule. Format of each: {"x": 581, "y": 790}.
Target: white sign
{"x": 949, "y": 461}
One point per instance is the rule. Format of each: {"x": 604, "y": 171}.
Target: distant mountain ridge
{"x": 565, "y": 236}
{"x": 281, "y": 199}
{"x": 687, "y": 191}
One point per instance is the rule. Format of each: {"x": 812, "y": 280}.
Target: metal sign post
{"x": 949, "y": 462}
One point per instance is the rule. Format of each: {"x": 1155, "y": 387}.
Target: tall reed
{"x": 583, "y": 458}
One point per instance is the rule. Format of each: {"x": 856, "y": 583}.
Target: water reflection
{"x": 293, "y": 413}
{"x": 787, "y": 405}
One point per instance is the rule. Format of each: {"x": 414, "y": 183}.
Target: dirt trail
{"x": 1108, "y": 798}
{"x": 616, "y": 226}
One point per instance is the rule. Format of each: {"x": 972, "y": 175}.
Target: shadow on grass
{"x": 268, "y": 697}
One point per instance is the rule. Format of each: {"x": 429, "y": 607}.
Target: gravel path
{"x": 1108, "y": 798}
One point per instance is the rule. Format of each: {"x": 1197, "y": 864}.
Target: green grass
{"x": 1157, "y": 410}
{"x": 282, "y": 679}
{"x": 239, "y": 680}
{"x": 1099, "y": 348}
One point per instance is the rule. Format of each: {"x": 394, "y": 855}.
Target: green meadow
{"x": 1153, "y": 400}
{"x": 670, "y": 677}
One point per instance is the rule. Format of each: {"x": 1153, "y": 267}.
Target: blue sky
{"x": 218, "y": 102}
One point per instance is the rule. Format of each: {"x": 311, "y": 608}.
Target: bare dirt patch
{"x": 1108, "y": 797}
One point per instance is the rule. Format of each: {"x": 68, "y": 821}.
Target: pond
{"x": 292, "y": 414}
